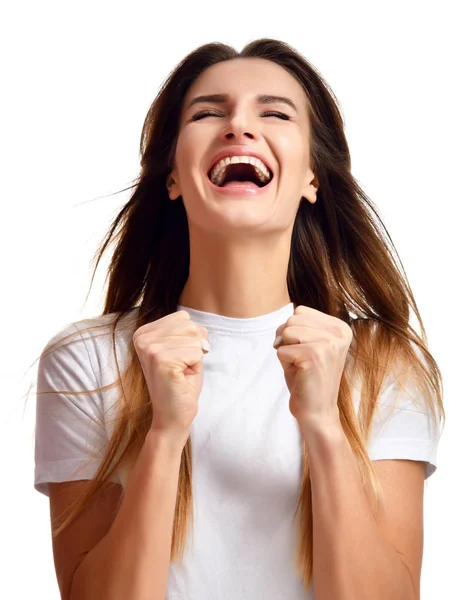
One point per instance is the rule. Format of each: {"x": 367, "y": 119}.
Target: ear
{"x": 310, "y": 188}
{"x": 173, "y": 188}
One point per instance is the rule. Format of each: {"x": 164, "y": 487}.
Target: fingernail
{"x": 278, "y": 341}
{"x": 205, "y": 345}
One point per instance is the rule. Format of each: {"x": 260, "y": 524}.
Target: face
{"x": 277, "y": 131}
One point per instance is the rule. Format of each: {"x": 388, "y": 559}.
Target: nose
{"x": 236, "y": 135}
{"x": 240, "y": 127}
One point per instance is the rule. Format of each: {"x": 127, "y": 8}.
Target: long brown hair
{"x": 342, "y": 262}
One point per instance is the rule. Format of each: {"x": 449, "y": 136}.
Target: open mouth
{"x": 242, "y": 172}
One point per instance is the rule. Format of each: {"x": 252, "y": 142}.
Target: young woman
{"x": 254, "y": 363}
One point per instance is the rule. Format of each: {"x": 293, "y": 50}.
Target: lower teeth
{"x": 241, "y": 183}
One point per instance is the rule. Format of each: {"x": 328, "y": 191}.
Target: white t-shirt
{"x": 247, "y": 449}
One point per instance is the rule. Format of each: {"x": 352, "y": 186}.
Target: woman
{"x": 245, "y": 225}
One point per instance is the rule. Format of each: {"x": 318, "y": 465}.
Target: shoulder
{"x": 98, "y": 327}
{"x": 90, "y": 344}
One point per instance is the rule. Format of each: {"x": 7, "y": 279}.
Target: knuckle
{"x": 343, "y": 330}
{"x": 192, "y": 327}
{"x": 155, "y": 348}
{"x": 138, "y": 342}
{"x": 333, "y": 344}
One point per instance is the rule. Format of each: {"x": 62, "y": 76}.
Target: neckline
{"x": 260, "y": 324}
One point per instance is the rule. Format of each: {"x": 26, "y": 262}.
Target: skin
{"x": 240, "y": 247}
{"x": 239, "y": 250}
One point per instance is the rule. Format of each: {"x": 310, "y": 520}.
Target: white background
{"x": 77, "y": 81}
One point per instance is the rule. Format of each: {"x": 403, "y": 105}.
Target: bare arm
{"x": 132, "y": 559}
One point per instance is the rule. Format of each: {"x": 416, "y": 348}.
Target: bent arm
{"x": 132, "y": 559}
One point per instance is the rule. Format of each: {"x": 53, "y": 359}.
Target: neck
{"x": 237, "y": 278}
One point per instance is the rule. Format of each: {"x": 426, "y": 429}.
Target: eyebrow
{"x": 261, "y": 99}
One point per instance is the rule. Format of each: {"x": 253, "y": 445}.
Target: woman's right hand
{"x": 170, "y": 351}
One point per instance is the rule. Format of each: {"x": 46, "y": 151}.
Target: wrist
{"x": 167, "y": 440}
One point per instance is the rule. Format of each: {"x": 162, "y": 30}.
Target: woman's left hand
{"x": 313, "y": 354}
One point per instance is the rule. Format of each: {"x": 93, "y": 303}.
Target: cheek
{"x": 182, "y": 150}
{"x": 293, "y": 152}
{"x": 185, "y": 161}
{"x": 189, "y": 154}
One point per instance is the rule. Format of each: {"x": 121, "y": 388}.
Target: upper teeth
{"x": 219, "y": 170}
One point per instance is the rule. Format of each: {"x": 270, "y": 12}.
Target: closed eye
{"x": 208, "y": 113}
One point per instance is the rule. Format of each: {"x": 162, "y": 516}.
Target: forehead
{"x": 243, "y": 77}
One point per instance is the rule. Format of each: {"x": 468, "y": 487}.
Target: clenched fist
{"x": 171, "y": 351}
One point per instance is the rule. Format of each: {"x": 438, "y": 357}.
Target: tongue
{"x": 240, "y": 184}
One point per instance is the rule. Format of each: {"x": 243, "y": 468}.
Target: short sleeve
{"x": 403, "y": 427}
{"x": 70, "y": 428}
